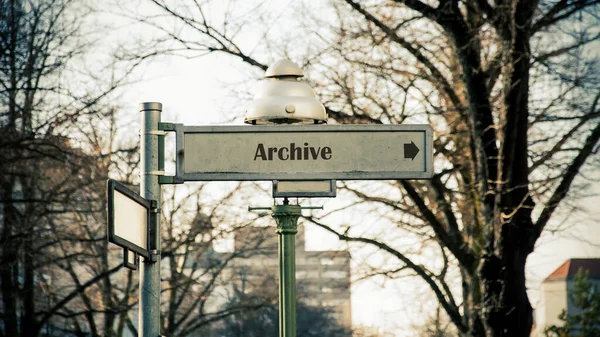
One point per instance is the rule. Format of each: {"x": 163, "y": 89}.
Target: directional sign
{"x": 276, "y": 152}
{"x": 128, "y": 216}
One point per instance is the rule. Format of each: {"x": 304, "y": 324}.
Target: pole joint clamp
{"x": 154, "y": 255}
{"x": 154, "y": 207}
{"x": 155, "y": 173}
{"x": 155, "y": 133}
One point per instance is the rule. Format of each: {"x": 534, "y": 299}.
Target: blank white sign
{"x": 130, "y": 220}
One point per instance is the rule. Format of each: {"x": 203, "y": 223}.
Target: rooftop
{"x": 570, "y": 267}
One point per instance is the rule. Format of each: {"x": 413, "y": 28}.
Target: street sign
{"x": 307, "y": 152}
{"x": 128, "y": 216}
{"x": 304, "y": 189}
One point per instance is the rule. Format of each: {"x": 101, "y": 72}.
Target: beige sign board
{"x": 287, "y": 186}
{"x": 304, "y": 188}
{"x": 128, "y": 216}
{"x": 350, "y": 152}
{"x": 131, "y": 220}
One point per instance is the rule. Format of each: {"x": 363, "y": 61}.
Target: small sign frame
{"x": 130, "y": 259}
{"x": 115, "y": 191}
{"x": 304, "y": 188}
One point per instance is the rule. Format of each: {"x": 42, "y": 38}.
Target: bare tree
{"x": 198, "y": 276}
{"x": 512, "y": 91}
{"x": 54, "y": 159}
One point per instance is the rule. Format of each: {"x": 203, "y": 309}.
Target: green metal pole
{"x": 286, "y": 217}
{"x": 149, "y": 305}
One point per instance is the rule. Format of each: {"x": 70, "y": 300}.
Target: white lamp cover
{"x": 282, "y": 99}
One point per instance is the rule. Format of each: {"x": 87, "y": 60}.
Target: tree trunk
{"x": 28, "y": 320}
{"x": 8, "y": 262}
{"x": 512, "y": 315}
{"x": 516, "y": 311}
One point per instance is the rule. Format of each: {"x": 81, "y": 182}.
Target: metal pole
{"x": 286, "y": 217}
{"x": 149, "y": 305}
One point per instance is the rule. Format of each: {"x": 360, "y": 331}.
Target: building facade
{"x": 556, "y": 290}
{"x": 322, "y": 277}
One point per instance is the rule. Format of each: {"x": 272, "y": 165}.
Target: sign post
{"x": 286, "y": 216}
{"x": 134, "y": 220}
{"x": 301, "y": 160}
{"x": 149, "y": 293}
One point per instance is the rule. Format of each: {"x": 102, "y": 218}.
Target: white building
{"x": 555, "y": 290}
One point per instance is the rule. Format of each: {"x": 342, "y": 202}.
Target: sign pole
{"x": 286, "y": 216}
{"x": 149, "y": 293}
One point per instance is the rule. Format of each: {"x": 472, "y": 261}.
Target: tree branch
{"x": 454, "y": 243}
{"x": 560, "y": 11}
{"x": 75, "y": 293}
{"x": 444, "y": 298}
{"x": 421, "y": 7}
{"x": 436, "y": 73}
{"x": 558, "y": 146}
{"x": 439, "y": 188}
{"x": 569, "y": 175}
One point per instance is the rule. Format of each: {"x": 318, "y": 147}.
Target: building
{"x": 322, "y": 277}
{"x": 556, "y": 290}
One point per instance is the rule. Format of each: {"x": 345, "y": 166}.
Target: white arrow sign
{"x": 351, "y": 152}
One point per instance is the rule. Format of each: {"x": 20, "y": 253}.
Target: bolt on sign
{"x": 284, "y": 152}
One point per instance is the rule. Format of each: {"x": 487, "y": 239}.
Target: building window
{"x": 334, "y": 303}
{"x": 307, "y": 274}
{"x": 327, "y": 261}
{"x": 335, "y": 274}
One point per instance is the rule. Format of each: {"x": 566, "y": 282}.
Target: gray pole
{"x": 149, "y": 304}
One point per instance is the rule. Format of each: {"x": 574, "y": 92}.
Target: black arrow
{"x": 410, "y": 150}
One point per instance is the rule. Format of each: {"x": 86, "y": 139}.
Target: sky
{"x": 198, "y": 91}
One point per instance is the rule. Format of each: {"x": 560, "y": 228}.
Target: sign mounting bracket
{"x": 178, "y": 129}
